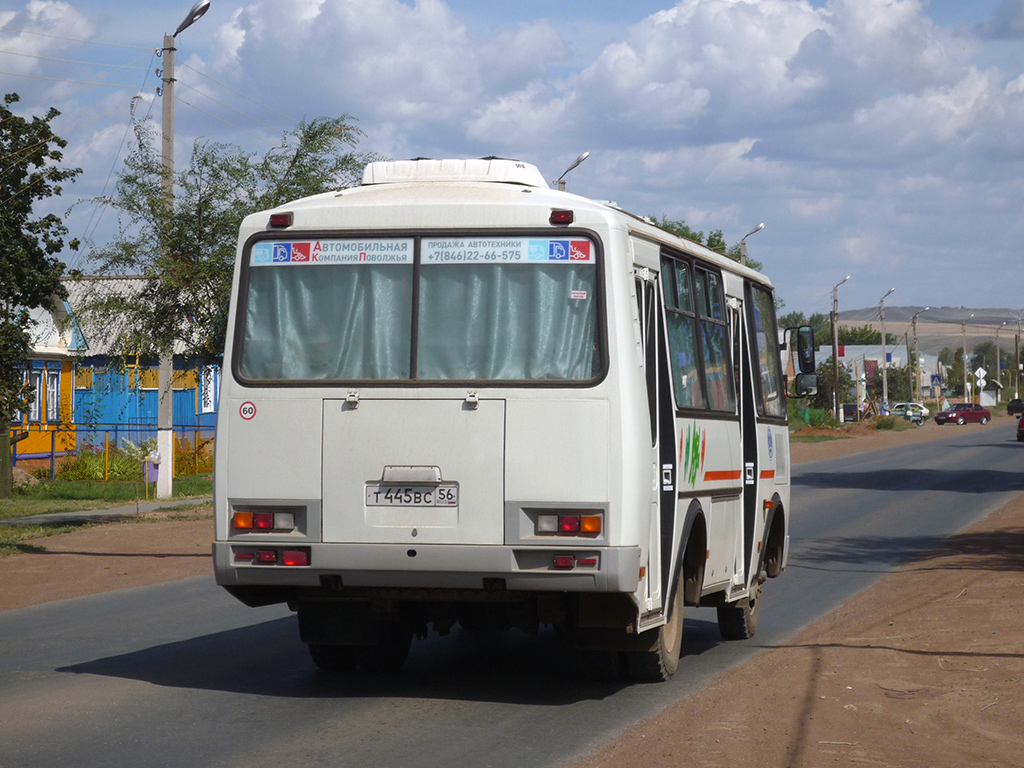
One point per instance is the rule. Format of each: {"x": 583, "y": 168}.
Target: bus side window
{"x": 682, "y": 333}
{"x": 770, "y": 400}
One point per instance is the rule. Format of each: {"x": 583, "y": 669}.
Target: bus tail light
{"x": 247, "y": 519}
{"x": 574, "y": 523}
{"x": 280, "y": 220}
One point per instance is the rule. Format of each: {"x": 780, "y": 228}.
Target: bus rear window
{"x": 425, "y": 309}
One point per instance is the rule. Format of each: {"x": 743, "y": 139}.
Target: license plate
{"x": 412, "y": 495}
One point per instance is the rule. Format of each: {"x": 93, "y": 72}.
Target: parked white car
{"x": 913, "y": 411}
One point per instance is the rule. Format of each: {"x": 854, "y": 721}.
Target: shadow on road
{"x": 1001, "y": 550}
{"x": 267, "y": 659}
{"x": 898, "y": 479}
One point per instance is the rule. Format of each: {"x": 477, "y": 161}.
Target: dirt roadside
{"x": 924, "y": 669}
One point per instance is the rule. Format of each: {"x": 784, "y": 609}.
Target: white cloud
{"x": 44, "y": 22}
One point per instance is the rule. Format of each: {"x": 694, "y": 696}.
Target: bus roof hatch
{"x": 424, "y": 171}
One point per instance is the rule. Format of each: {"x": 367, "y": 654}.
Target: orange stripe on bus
{"x": 767, "y": 474}
{"x": 725, "y": 474}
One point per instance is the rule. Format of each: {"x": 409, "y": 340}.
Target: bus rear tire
{"x": 333, "y": 658}
{"x": 738, "y": 621}
{"x": 660, "y": 662}
{"x": 388, "y": 654}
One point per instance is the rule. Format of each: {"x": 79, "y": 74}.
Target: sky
{"x": 881, "y": 139}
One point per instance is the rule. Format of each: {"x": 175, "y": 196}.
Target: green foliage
{"x": 30, "y": 272}
{"x": 186, "y": 251}
{"x": 715, "y": 240}
{"x": 825, "y": 397}
{"x": 884, "y": 423}
{"x": 865, "y": 335}
{"x": 897, "y": 380}
{"x": 91, "y": 465}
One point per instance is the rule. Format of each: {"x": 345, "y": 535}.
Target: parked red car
{"x": 961, "y": 413}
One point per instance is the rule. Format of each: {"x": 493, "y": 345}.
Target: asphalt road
{"x": 182, "y": 675}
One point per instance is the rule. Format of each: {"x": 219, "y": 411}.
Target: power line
{"x": 226, "y": 106}
{"x": 73, "y": 39}
{"x": 239, "y": 93}
{"x": 222, "y": 120}
{"x": 68, "y": 61}
{"x": 65, "y": 80}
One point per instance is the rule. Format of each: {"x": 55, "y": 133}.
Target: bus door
{"x": 747, "y": 368}
{"x": 649, "y": 309}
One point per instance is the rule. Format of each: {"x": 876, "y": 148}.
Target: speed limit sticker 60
{"x": 247, "y": 411}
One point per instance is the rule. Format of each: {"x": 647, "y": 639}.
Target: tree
{"x": 715, "y": 240}
{"x": 30, "y": 271}
{"x": 186, "y": 252}
{"x": 865, "y": 335}
{"x": 825, "y": 397}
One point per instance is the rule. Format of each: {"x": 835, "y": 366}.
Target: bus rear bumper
{"x": 529, "y": 569}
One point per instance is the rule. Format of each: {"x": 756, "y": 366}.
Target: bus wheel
{"x": 599, "y": 665}
{"x": 661, "y": 661}
{"x": 738, "y": 621}
{"x": 333, "y": 658}
{"x": 389, "y": 653}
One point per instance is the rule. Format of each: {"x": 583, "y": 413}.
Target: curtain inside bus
{"x": 328, "y": 322}
{"x": 507, "y": 321}
{"x": 477, "y": 321}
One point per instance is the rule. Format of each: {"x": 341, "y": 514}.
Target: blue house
{"x": 116, "y": 395}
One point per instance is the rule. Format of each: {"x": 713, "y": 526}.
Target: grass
{"x": 75, "y": 496}
{"x": 14, "y": 539}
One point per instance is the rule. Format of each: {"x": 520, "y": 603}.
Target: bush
{"x": 886, "y": 422}
{"x": 819, "y": 417}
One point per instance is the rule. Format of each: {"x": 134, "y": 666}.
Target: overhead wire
{"x": 239, "y": 93}
{"x": 74, "y": 39}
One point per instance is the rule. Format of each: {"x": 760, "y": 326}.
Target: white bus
{"x": 454, "y": 395}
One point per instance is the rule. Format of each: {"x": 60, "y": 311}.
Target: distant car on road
{"x": 961, "y": 413}
{"x": 911, "y": 411}
{"x": 1015, "y": 407}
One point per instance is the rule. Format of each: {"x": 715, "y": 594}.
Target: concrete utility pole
{"x": 999, "y": 369}
{"x": 165, "y": 407}
{"x": 963, "y": 331}
{"x": 913, "y": 356}
{"x": 835, "y": 344}
{"x": 885, "y": 357}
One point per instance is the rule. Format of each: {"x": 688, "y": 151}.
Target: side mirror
{"x": 806, "y": 384}
{"x": 805, "y": 349}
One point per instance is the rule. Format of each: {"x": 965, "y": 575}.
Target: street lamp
{"x": 963, "y": 331}
{"x": 835, "y": 343}
{"x": 165, "y": 407}
{"x": 913, "y": 322}
{"x": 743, "y": 242}
{"x": 885, "y": 360}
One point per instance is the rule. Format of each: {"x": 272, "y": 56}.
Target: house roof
{"x": 100, "y": 337}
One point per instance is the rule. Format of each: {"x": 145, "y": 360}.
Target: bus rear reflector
{"x": 266, "y": 556}
{"x": 295, "y": 557}
{"x": 563, "y": 561}
{"x": 280, "y": 220}
{"x": 561, "y": 217}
